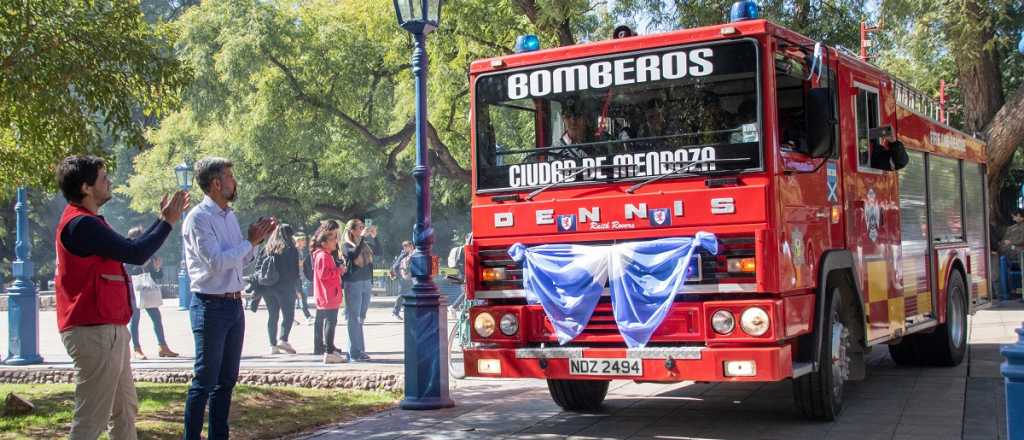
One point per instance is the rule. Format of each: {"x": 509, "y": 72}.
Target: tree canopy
{"x": 74, "y": 76}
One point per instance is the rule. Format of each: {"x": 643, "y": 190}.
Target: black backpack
{"x": 266, "y": 271}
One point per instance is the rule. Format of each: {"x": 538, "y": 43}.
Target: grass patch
{"x": 257, "y": 412}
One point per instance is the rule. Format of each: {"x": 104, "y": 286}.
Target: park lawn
{"x": 257, "y": 412}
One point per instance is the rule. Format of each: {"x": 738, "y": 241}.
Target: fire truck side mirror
{"x": 821, "y": 128}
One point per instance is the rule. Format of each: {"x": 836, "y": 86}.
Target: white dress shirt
{"x": 215, "y": 251}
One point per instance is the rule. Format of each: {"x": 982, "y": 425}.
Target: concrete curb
{"x": 360, "y": 380}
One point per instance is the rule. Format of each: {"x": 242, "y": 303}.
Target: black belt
{"x": 222, "y": 296}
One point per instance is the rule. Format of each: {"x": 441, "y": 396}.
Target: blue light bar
{"x": 527, "y": 43}
{"x": 1020, "y": 46}
{"x": 744, "y": 10}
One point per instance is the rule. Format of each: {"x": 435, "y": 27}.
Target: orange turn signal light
{"x": 493, "y": 274}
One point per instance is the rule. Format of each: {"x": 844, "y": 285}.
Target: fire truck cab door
{"x": 872, "y": 202}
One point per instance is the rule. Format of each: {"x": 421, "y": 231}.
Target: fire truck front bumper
{"x": 653, "y": 364}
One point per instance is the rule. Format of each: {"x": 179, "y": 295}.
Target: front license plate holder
{"x": 606, "y": 367}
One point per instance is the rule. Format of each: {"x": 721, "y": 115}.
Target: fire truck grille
{"x": 713, "y": 268}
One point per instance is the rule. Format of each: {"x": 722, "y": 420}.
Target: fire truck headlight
{"x": 493, "y": 274}
{"x": 484, "y": 325}
{"x": 754, "y": 321}
{"x": 741, "y": 265}
{"x": 723, "y": 322}
{"x": 509, "y": 324}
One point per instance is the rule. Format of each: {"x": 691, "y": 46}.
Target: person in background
{"x": 147, "y": 297}
{"x": 1013, "y": 240}
{"x": 400, "y": 271}
{"x": 359, "y": 248}
{"x": 94, "y": 303}
{"x": 327, "y": 292}
{"x": 280, "y": 296}
{"x": 306, "y": 270}
{"x": 216, "y": 254}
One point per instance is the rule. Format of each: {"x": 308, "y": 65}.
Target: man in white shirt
{"x": 215, "y": 254}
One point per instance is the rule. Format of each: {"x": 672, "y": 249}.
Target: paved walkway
{"x": 894, "y": 402}
{"x": 383, "y": 340}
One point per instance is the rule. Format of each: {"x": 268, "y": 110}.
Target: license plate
{"x": 606, "y": 367}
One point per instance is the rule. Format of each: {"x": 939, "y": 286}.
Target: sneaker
{"x": 397, "y": 315}
{"x": 139, "y": 355}
{"x": 340, "y": 353}
{"x": 275, "y": 350}
{"x": 363, "y": 357}
{"x": 331, "y": 358}
{"x": 286, "y": 347}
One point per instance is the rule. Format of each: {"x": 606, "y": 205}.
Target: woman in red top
{"x": 327, "y": 291}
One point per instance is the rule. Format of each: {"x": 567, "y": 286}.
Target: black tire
{"x": 907, "y": 351}
{"x": 578, "y": 395}
{"x": 946, "y": 346}
{"x": 819, "y": 395}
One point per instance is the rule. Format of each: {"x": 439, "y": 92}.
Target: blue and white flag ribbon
{"x": 567, "y": 280}
{"x": 643, "y": 278}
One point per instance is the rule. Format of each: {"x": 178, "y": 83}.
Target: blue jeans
{"x": 218, "y": 326}
{"x": 158, "y": 327}
{"x": 357, "y": 302}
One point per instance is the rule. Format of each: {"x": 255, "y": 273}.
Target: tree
{"x": 972, "y": 41}
{"x": 72, "y": 75}
{"x": 315, "y": 102}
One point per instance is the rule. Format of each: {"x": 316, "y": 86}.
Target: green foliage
{"x": 72, "y": 75}
{"x": 834, "y": 22}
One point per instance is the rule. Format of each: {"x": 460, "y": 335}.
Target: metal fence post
{"x": 1013, "y": 376}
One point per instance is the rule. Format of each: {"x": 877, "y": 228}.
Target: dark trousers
{"x": 323, "y": 331}
{"x": 304, "y": 302}
{"x": 218, "y": 326}
{"x": 404, "y": 287}
{"x": 281, "y": 306}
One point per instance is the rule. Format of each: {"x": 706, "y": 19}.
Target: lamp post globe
{"x": 183, "y": 177}
{"x": 426, "y": 342}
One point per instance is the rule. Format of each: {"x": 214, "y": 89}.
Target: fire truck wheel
{"x": 907, "y": 351}
{"x": 578, "y": 395}
{"x": 945, "y": 347}
{"x": 819, "y": 395}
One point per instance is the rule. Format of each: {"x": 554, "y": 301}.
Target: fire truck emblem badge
{"x": 872, "y": 214}
{"x": 832, "y": 181}
{"x": 659, "y": 217}
{"x": 567, "y": 223}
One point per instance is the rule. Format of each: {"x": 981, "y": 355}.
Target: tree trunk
{"x": 1006, "y": 134}
{"x": 981, "y": 83}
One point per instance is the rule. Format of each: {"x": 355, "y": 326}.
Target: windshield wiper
{"x": 567, "y": 178}
{"x": 681, "y": 171}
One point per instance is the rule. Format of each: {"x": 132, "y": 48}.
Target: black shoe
{"x": 363, "y": 357}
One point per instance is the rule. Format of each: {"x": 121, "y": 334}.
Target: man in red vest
{"x": 94, "y": 296}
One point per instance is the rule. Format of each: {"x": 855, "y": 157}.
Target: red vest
{"x": 91, "y": 290}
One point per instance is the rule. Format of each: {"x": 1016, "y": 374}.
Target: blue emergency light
{"x": 744, "y": 10}
{"x": 527, "y": 43}
{"x": 1020, "y": 46}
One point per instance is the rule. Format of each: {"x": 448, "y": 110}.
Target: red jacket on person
{"x": 91, "y": 290}
{"x": 326, "y": 281}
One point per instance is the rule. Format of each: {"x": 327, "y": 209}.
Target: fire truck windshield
{"x": 652, "y": 112}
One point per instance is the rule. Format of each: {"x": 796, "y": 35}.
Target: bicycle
{"x": 458, "y": 335}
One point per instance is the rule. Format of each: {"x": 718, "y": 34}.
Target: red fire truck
{"x": 831, "y": 239}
